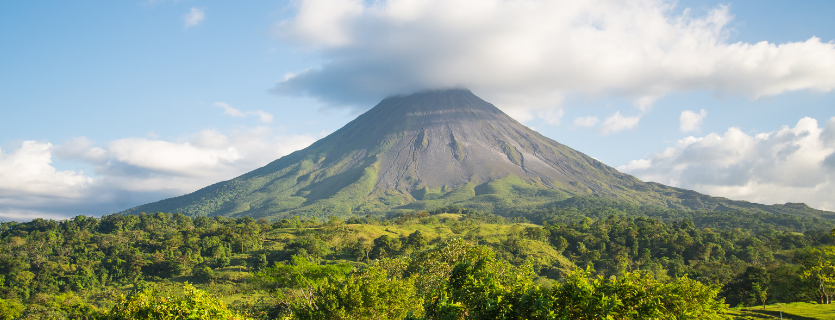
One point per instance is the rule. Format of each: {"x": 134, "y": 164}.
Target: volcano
{"x": 423, "y": 151}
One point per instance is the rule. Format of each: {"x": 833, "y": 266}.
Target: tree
{"x": 296, "y": 282}
{"x": 416, "y": 241}
{"x": 164, "y": 269}
{"x": 560, "y": 244}
{"x": 821, "y": 270}
{"x": 368, "y": 294}
{"x": 760, "y": 293}
{"x": 686, "y": 298}
{"x": 308, "y": 245}
{"x": 362, "y": 248}
{"x": 204, "y": 273}
{"x": 146, "y": 303}
{"x": 483, "y": 289}
{"x": 10, "y": 309}
{"x": 432, "y": 268}
{"x": 385, "y": 246}
{"x": 259, "y": 261}
{"x": 742, "y": 290}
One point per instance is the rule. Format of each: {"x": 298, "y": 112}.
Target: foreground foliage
{"x": 405, "y": 266}
{"x": 148, "y": 304}
{"x": 483, "y": 287}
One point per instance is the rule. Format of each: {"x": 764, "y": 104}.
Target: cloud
{"x": 691, "y": 121}
{"x": 206, "y": 157}
{"x": 194, "y": 17}
{"x": 586, "y": 122}
{"x": 263, "y": 116}
{"x": 229, "y": 110}
{"x": 173, "y": 158}
{"x": 617, "y": 123}
{"x": 26, "y": 215}
{"x": 131, "y": 171}
{"x": 28, "y": 171}
{"x": 786, "y": 165}
{"x": 527, "y": 56}
{"x": 81, "y": 148}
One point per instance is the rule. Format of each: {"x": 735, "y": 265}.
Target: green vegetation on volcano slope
{"x": 510, "y": 196}
{"x": 65, "y": 269}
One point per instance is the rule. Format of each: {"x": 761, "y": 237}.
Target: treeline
{"x": 596, "y": 207}
{"x": 94, "y": 257}
{"x": 99, "y": 267}
{"x": 734, "y": 259}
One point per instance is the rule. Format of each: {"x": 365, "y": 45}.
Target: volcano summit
{"x": 427, "y": 150}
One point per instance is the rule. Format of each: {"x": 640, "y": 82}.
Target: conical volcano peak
{"x": 443, "y": 138}
{"x": 430, "y": 108}
{"x": 427, "y": 146}
{"x": 423, "y": 151}
{"x": 446, "y": 101}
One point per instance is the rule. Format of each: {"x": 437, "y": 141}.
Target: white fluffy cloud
{"x": 586, "y": 122}
{"x": 264, "y": 116}
{"x": 787, "y": 165}
{"x": 28, "y": 171}
{"x": 145, "y": 165}
{"x": 131, "y": 171}
{"x": 173, "y": 158}
{"x": 691, "y": 121}
{"x": 528, "y": 55}
{"x": 194, "y": 17}
{"x": 617, "y": 122}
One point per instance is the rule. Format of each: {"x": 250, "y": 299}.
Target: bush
{"x": 204, "y": 273}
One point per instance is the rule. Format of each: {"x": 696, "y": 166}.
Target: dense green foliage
{"x": 618, "y": 266}
{"x": 475, "y": 285}
{"x": 148, "y": 304}
{"x": 788, "y": 217}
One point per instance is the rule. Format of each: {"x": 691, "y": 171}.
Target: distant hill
{"x": 433, "y": 149}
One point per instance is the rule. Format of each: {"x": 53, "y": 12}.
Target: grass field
{"x": 797, "y": 310}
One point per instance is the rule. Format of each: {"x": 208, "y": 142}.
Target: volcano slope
{"x": 427, "y": 150}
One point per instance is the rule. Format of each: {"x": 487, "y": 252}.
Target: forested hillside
{"x": 582, "y": 262}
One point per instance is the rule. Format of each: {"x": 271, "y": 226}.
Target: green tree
{"x": 760, "y": 293}
{"x": 416, "y": 241}
{"x": 204, "y": 273}
{"x": 432, "y": 268}
{"x": 686, "y": 298}
{"x": 10, "y": 309}
{"x": 368, "y": 294}
{"x": 259, "y": 261}
{"x": 742, "y": 290}
{"x": 821, "y": 270}
{"x": 385, "y": 246}
{"x": 296, "y": 282}
{"x": 309, "y": 246}
{"x": 148, "y": 304}
{"x": 560, "y": 244}
{"x": 482, "y": 289}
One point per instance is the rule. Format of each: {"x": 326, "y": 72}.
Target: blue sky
{"x": 111, "y": 104}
